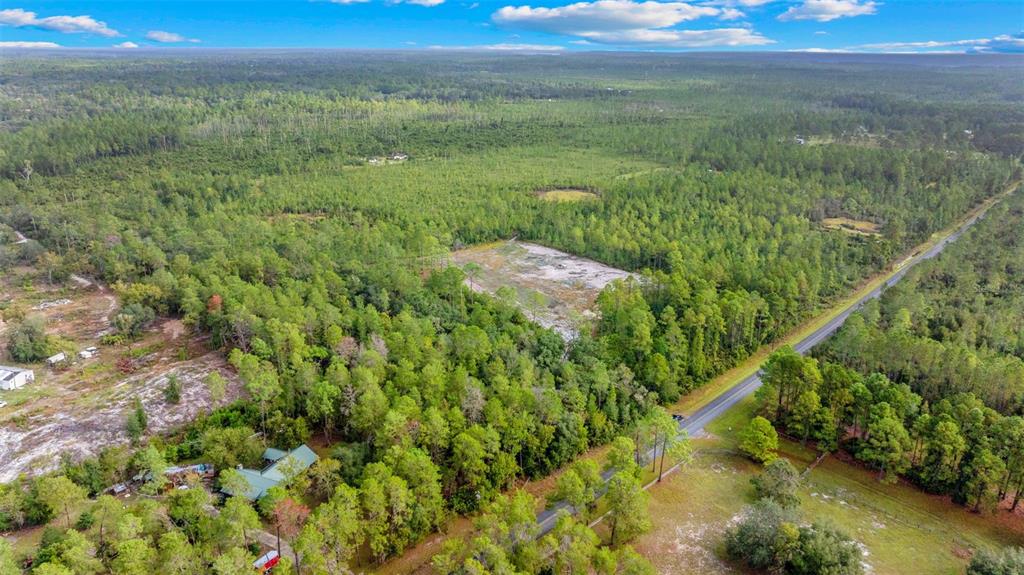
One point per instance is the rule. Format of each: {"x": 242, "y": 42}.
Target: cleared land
{"x": 77, "y": 409}
{"x": 902, "y": 529}
{"x": 554, "y": 288}
{"x": 566, "y": 195}
{"x": 858, "y": 227}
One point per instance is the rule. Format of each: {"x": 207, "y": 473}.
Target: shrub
{"x": 172, "y": 391}
{"x": 759, "y": 440}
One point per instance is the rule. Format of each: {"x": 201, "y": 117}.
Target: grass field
{"x": 902, "y": 529}
{"x": 567, "y": 195}
{"x": 858, "y": 227}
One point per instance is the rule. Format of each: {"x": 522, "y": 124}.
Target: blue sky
{"x": 549, "y": 25}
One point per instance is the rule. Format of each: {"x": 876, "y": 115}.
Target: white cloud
{"x": 744, "y": 3}
{"x": 1006, "y": 43}
{"x": 505, "y": 47}
{"x": 29, "y": 45}
{"x": 126, "y": 45}
{"x": 681, "y": 38}
{"x": 821, "y": 33}
{"x": 822, "y": 51}
{"x": 731, "y": 14}
{"x": 828, "y": 10}
{"x": 1009, "y": 44}
{"x": 347, "y": 1}
{"x": 427, "y": 3}
{"x": 627, "y": 22}
{"x": 19, "y": 18}
{"x": 602, "y": 15}
{"x": 926, "y": 44}
{"x": 168, "y": 37}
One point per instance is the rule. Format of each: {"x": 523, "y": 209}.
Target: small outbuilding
{"x": 15, "y": 377}
{"x": 56, "y": 359}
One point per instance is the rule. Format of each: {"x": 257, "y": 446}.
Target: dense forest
{"x": 925, "y": 383}
{"x": 928, "y": 381}
{"x": 237, "y": 193}
{"x": 955, "y": 324}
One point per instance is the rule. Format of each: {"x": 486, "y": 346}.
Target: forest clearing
{"x": 80, "y": 406}
{"x": 554, "y": 288}
{"x": 852, "y": 226}
{"x": 567, "y": 195}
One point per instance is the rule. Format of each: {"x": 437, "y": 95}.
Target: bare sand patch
{"x": 554, "y": 288}
{"x": 79, "y": 422}
{"x": 80, "y": 407}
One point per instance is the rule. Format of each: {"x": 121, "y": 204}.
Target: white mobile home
{"x": 15, "y": 377}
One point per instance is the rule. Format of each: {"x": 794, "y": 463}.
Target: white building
{"x": 57, "y": 359}
{"x": 15, "y": 377}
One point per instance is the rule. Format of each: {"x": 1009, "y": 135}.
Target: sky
{"x": 937, "y": 26}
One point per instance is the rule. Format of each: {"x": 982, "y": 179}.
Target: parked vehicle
{"x": 266, "y": 562}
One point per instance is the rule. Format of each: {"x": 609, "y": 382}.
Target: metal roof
{"x": 8, "y": 372}
{"x": 273, "y": 454}
{"x": 298, "y": 459}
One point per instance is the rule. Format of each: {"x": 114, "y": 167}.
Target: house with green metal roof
{"x": 282, "y": 466}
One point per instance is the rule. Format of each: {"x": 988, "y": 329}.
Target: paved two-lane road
{"x": 696, "y": 422}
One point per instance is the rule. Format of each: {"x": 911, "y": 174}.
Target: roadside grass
{"x": 691, "y": 510}
{"x": 902, "y": 529}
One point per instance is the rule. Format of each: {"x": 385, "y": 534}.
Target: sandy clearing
{"x": 569, "y": 284}
{"x": 34, "y": 439}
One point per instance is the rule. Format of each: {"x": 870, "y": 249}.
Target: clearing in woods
{"x": 80, "y": 407}
{"x": 554, "y": 288}
{"x": 566, "y": 195}
{"x": 856, "y": 227}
